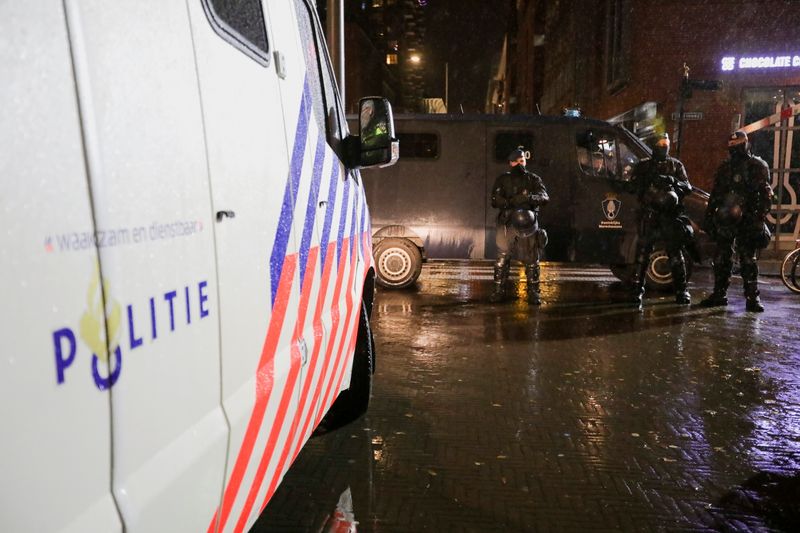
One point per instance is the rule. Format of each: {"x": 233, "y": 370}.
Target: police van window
{"x": 627, "y": 160}
{"x": 507, "y": 141}
{"x": 419, "y": 145}
{"x": 240, "y": 23}
{"x": 597, "y": 154}
{"x": 320, "y": 80}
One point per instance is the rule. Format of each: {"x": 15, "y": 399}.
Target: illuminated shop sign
{"x": 730, "y": 63}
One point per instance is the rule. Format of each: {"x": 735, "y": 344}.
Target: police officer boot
{"x": 637, "y": 284}
{"x": 532, "y": 275}
{"x": 750, "y": 279}
{"x": 498, "y": 291}
{"x": 753, "y": 302}
{"x": 682, "y": 295}
{"x": 501, "y": 268}
{"x": 719, "y": 297}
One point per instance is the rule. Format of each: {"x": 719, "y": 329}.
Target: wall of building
{"x": 660, "y": 35}
{"x": 380, "y": 38}
{"x": 365, "y": 70}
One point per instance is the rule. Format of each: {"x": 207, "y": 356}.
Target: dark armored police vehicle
{"x": 435, "y": 202}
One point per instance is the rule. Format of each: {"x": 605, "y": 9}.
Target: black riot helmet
{"x": 517, "y": 157}
{"x": 524, "y": 221}
{"x": 661, "y": 147}
{"x": 660, "y": 198}
{"x": 738, "y": 145}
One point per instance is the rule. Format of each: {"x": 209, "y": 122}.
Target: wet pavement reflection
{"x": 583, "y": 414}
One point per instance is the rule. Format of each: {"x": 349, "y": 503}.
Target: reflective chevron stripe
{"x": 330, "y": 294}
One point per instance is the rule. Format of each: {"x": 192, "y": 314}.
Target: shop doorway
{"x": 779, "y": 145}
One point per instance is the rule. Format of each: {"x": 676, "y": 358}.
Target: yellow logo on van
{"x": 91, "y": 325}
{"x": 102, "y": 320}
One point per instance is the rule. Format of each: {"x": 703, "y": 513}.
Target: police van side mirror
{"x": 376, "y": 144}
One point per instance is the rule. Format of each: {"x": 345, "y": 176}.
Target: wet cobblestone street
{"x": 584, "y": 414}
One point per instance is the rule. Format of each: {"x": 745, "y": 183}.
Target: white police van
{"x": 186, "y": 263}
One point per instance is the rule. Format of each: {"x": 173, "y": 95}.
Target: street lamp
{"x": 415, "y": 58}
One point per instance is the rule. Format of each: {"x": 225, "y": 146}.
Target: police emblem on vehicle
{"x": 611, "y": 207}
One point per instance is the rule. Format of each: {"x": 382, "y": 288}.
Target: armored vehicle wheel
{"x": 398, "y": 262}
{"x": 659, "y": 275}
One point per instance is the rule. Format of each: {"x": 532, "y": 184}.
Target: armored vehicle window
{"x": 597, "y": 154}
{"x": 419, "y": 145}
{"x": 627, "y": 160}
{"x": 604, "y": 155}
{"x": 241, "y": 23}
{"x": 507, "y": 141}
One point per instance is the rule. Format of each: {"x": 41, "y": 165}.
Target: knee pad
{"x": 749, "y": 268}
{"x": 747, "y": 259}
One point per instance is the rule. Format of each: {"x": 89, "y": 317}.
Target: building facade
{"x": 640, "y": 62}
{"x": 383, "y": 50}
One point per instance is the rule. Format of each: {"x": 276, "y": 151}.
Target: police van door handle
{"x": 280, "y": 64}
{"x": 224, "y": 214}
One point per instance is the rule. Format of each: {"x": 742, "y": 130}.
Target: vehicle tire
{"x": 790, "y": 271}
{"x": 353, "y": 402}
{"x": 659, "y": 275}
{"x": 398, "y": 262}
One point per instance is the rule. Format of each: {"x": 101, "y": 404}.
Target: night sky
{"x": 468, "y": 34}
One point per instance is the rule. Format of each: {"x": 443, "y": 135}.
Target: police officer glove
{"x": 667, "y": 180}
{"x": 537, "y": 200}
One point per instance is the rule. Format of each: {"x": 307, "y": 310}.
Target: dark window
{"x": 506, "y": 142}
{"x": 617, "y": 49}
{"x": 419, "y": 145}
{"x": 241, "y": 23}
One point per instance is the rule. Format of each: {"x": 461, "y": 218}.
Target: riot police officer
{"x": 518, "y": 194}
{"x": 737, "y": 213}
{"x": 660, "y": 183}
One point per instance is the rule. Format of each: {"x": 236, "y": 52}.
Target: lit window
{"x": 391, "y": 59}
{"x": 377, "y": 3}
